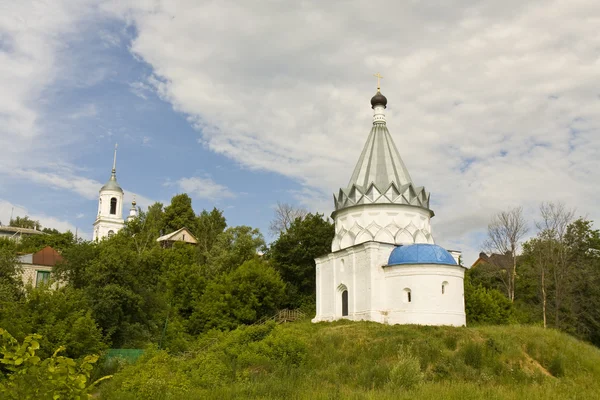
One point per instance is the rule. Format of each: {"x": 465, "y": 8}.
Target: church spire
{"x": 114, "y": 169}
{"x": 380, "y": 175}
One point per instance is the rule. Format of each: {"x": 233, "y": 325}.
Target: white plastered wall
{"x": 377, "y": 292}
{"x": 386, "y": 223}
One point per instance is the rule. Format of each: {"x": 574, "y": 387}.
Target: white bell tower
{"x": 110, "y": 206}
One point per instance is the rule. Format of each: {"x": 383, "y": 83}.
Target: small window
{"x": 111, "y": 233}
{"x": 42, "y": 278}
{"x": 183, "y": 237}
{"x": 113, "y": 206}
{"x": 407, "y": 295}
{"x": 444, "y": 284}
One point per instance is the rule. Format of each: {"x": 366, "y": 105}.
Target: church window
{"x": 113, "y": 205}
{"x": 407, "y": 295}
{"x": 111, "y": 233}
{"x": 444, "y": 284}
{"x": 345, "y": 303}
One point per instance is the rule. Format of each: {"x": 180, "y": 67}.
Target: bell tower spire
{"x": 110, "y": 206}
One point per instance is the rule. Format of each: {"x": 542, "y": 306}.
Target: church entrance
{"x": 345, "y": 303}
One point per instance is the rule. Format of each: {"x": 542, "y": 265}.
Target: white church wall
{"x": 430, "y": 304}
{"x": 388, "y": 223}
{"x": 379, "y": 293}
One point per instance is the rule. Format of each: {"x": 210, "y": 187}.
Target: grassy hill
{"x": 362, "y": 360}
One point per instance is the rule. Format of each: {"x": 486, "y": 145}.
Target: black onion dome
{"x": 378, "y": 99}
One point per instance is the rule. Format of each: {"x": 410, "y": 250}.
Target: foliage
{"x": 233, "y": 247}
{"x": 209, "y": 225}
{"x": 246, "y": 294}
{"x": 62, "y": 316}
{"x": 486, "y": 306}
{"x": 58, "y": 241}
{"x": 243, "y": 355}
{"x": 28, "y": 376}
{"x": 25, "y": 222}
{"x": 179, "y": 214}
{"x": 294, "y": 253}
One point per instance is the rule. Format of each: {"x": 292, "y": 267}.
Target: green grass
{"x": 362, "y": 360}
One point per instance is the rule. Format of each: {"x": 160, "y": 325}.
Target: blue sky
{"x": 244, "y": 104}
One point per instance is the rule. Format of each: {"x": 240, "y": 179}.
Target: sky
{"x": 243, "y": 104}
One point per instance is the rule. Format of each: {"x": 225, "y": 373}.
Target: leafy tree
{"x": 294, "y": 252}
{"x": 58, "y": 241}
{"x": 25, "y": 222}
{"x": 10, "y": 272}
{"x": 243, "y": 296}
{"x": 179, "y": 214}
{"x": 146, "y": 228}
{"x": 233, "y": 247}
{"x": 63, "y": 316}
{"x": 486, "y": 306}
{"x": 76, "y": 262}
{"x": 209, "y": 225}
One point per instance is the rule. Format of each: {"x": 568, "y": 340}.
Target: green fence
{"x": 129, "y": 355}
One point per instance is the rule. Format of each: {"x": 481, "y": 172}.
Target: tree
{"x": 25, "y": 222}
{"x": 285, "y": 215}
{"x": 179, "y": 214}
{"x": 551, "y": 254}
{"x": 583, "y": 244}
{"x": 209, "y": 225}
{"x": 10, "y": 272}
{"x": 294, "y": 252}
{"x": 58, "y": 241}
{"x": 233, "y": 247}
{"x": 505, "y": 232}
{"x": 242, "y": 296}
{"x": 146, "y": 228}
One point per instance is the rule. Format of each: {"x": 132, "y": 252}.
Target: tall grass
{"x": 347, "y": 360}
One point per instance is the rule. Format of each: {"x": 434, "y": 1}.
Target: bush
{"x": 406, "y": 371}
{"x": 27, "y": 376}
{"x": 486, "y": 306}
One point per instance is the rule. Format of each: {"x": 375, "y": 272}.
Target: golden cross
{"x": 378, "y": 76}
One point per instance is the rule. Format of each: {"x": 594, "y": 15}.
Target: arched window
{"x": 345, "y": 303}
{"x": 407, "y": 295}
{"x": 100, "y": 206}
{"x": 444, "y": 284}
{"x": 113, "y": 206}
{"x": 111, "y": 233}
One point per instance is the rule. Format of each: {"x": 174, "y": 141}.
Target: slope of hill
{"x": 362, "y": 360}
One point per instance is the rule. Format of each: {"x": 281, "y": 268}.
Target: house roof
{"x": 46, "y": 256}
{"x": 26, "y": 231}
{"x": 173, "y": 236}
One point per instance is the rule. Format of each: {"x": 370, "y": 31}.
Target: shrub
{"x": 406, "y": 371}
{"x": 30, "y": 377}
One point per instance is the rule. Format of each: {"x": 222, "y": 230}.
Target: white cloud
{"x": 203, "y": 188}
{"x": 491, "y": 105}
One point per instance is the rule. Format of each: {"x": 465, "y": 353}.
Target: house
{"x": 37, "y": 267}
{"x": 15, "y": 233}
{"x": 180, "y": 235}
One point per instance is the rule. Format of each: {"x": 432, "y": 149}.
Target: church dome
{"x": 420, "y": 254}
{"x": 112, "y": 184}
{"x": 378, "y": 99}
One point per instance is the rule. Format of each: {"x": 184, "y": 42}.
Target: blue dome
{"x": 420, "y": 254}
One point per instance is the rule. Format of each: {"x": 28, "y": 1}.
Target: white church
{"x": 110, "y": 207}
{"x": 384, "y": 265}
